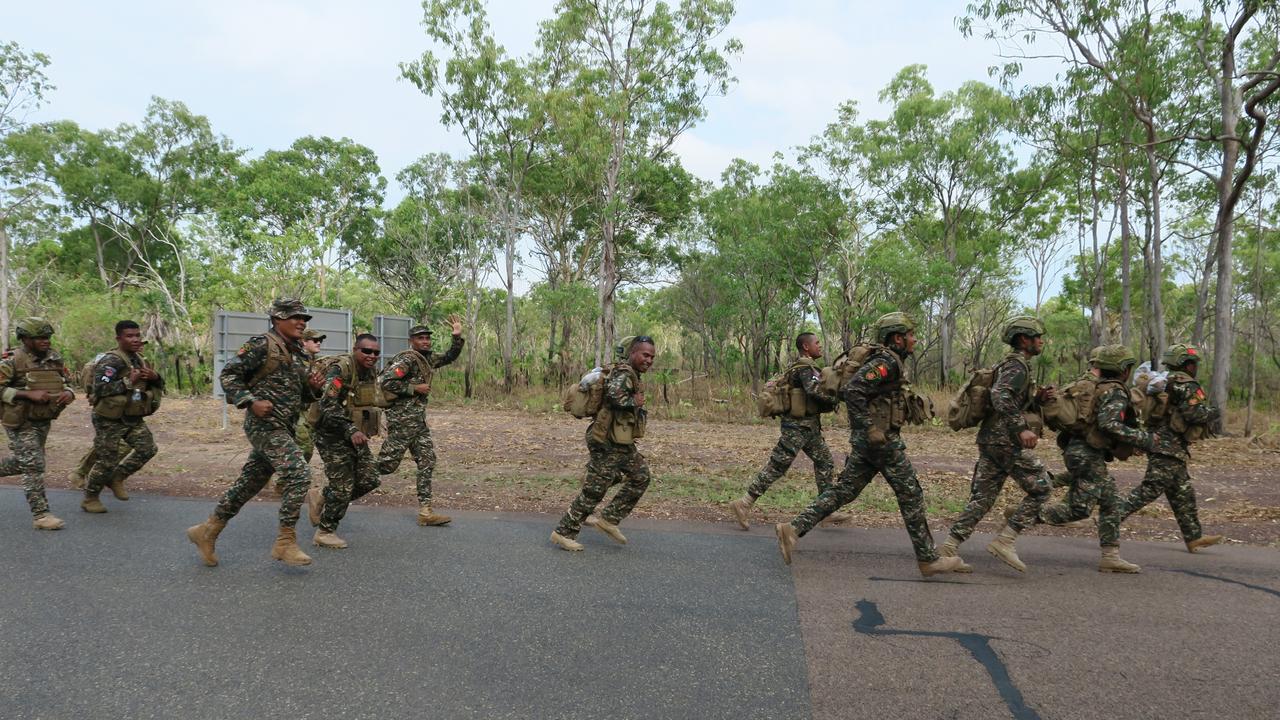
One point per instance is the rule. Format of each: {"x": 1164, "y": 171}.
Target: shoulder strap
{"x": 277, "y": 355}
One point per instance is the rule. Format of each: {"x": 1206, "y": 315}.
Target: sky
{"x": 267, "y": 72}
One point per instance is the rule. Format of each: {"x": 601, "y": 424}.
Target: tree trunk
{"x": 509, "y": 327}
{"x": 1126, "y": 290}
{"x": 1224, "y": 228}
{"x": 1257, "y": 325}
{"x": 4, "y": 286}
{"x": 1159, "y": 335}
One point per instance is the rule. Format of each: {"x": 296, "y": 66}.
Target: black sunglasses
{"x": 370, "y": 351}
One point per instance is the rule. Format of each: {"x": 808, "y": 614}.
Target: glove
{"x": 876, "y": 438}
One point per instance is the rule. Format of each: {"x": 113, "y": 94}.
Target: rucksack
{"x": 85, "y": 378}
{"x": 1073, "y": 408}
{"x": 780, "y": 397}
{"x": 584, "y": 398}
{"x": 835, "y": 376}
{"x": 972, "y": 403}
{"x": 277, "y": 355}
{"x": 1157, "y": 406}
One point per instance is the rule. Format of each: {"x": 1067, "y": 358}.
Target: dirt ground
{"x": 525, "y": 461}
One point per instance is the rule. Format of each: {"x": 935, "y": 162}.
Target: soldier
{"x": 1005, "y": 442}
{"x": 407, "y": 383}
{"x": 874, "y": 396}
{"x": 80, "y": 472}
{"x": 269, "y": 379}
{"x": 1167, "y": 463}
{"x": 801, "y": 431}
{"x": 611, "y": 439}
{"x": 311, "y": 340}
{"x": 125, "y": 390}
{"x": 34, "y": 389}
{"x": 1086, "y": 455}
{"x": 348, "y": 417}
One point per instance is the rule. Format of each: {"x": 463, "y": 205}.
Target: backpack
{"x": 1073, "y": 408}
{"x": 972, "y": 403}
{"x": 835, "y": 376}
{"x": 584, "y": 398}
{"x": 85, "y": 378}
{"x": 277, "y": 355}
{"x": 779, "y": 397}
{"x": 1158, "y": 406}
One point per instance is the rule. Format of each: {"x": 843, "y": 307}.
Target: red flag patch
{"x": 399, "y": 372}
{"x": 884, "y": 371}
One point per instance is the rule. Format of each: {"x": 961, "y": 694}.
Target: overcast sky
{"x": 269, "y": 71}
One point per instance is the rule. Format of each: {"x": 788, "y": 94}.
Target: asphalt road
{"x": 115, "y": 617}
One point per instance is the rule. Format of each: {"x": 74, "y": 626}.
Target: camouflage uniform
{"x": 1087, "y": 466}
{"x": 111, "y": 375}
{"x": 1167, "y": 463}
{"x": 800, "y": 434}
{"x": 611, "y": 463}
{"x": 879, "y": 379}
{"x": 350, "y": 468}
{"x": 27, "y": 440}
{"x": 1001, "y": 455}
{"x": 275, "y": 450}
{"x": 406, "y": 415}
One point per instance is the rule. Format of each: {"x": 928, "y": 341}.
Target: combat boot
{"x": 1203, "y": 542}
{"x": 837, "y": 518}
{"x": 427, "y": 516}
{"x": 1003, "y": 548}
{"x": 787, "y": 539}
{"x": 951, "y": 549}
{"x": 326, "y": 539}
{"x": 204, "y": 536}
{"x": 566, "y": 543}
{"x": 740, "y": 508}
{"x": 607, "y": 528}
{"x": 77, "y": 479}
{"x": 47, "y": 521}
{"x": 286, "y": 548}
{"x": 117, "y": 486}
{"x": 941, "y": 565}
{"x": 91, "y": 504}
{"x": 1113, "y": 563}
{"x": 315, "y": 502}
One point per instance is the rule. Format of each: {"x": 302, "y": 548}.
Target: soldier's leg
{"x": 339, "y": 468}
{"x": 143, "y": 444}
{"x": 253, "y": 477}
{"x": 1087, "y": 475}
{"x": 424, "y": 454}
{"x": 1108, "y": 511}
{"x": 81, "y": 473}
{"x": 27, "y": 445}
{"x": 1182, "y": 498}
{"x": 1151, "y": 487}
{"x": 824, "y": 468}
{"x": 853, "y": 479}
{"x": 635, "y": 470}
{"x": 400, "y": 434}
{"x": 293, "y": 475}
{"x": 107, "y": 437}
{"x": 601, "y": 475}
{"x": 901, "y": 477}
{"x": 784, "y": 453}
{"x": 306, "y": 443}
{"x": 988, "y": 478}
{"x": 1035, "y": 480}
{"x": 366, "y": 473}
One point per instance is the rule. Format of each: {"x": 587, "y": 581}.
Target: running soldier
{"x": 311, "y": 341}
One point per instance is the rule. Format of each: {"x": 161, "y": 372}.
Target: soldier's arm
{"x": 810, "y": 380}
{"x": 619, "y": 392}
{"x": 395, "y": 379}
{"x": 7, "y": 372}
{"x": 239, "y": 370}
{"x": 109, "y": 377}
{"x": 1006, "y": 391}
{"x": 1111, "y": 420}
{"x": 862, "y": 388}
{"x": 333, "y": 403}
{"x": 455, "y": 349}
{"x": 1194, "y": 405}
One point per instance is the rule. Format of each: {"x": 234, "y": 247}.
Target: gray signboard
{"x": 393, "y": 335}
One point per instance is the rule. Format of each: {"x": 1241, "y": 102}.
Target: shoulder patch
{"x": 399, "y": 371}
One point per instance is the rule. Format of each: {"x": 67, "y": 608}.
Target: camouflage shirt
{"x": 1011, "y": 394}
{"x": 335, "y": 415}
{"x": 1188, "y": 398}
{"x": 1116, "y": 418}
{"x": 880, "y": 376}
{"x": 620, "y": 390}
{"x": 111, "y": 374}
{"x": 406, "y": 370}
{"x": 285, "y": 386}
{"x": 9, "y": 373}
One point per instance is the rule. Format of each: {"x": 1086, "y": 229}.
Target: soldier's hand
{"x": 639, "y": 399}
{"x": 1047, "y": 394}
{"x": 315, "y": 380}
{"x": 262, "y": 408}
{"x": 422, "y": 388}
{"x": 876, "y": 437}
{"x": 1028, "y": 438}
{"x": 359, "y": 438}
{"x": 135, "y": 375}
{"x": 455, "y": 323}
{"x": 150, "y": 374}
{"x": 65, "y": 397}
{"x": 35, "y": 396}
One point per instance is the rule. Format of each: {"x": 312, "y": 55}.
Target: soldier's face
{"x": 1191, "y": 367}
{"x": 1034, "y": 346}
{"x": 642, "y": 357}
{"x": 421, "y": 343}
{"x": 311, "y": 346}
{"x": 366, "y": 353}
{"x": 292, "y": 328}
{"x": 813, "y": 348}
{"x": 130, "y": 339}
{"x": 37, "y": 346}
{"x": 909, "y": 341}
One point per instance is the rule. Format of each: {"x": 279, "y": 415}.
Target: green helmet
{"x": 33, "y": 327}
{"x": 1022, "y": 325}
{"x": 1175, "y": 356}
{"x": 1113, "y": 358}
{"x": 894, "y": 322}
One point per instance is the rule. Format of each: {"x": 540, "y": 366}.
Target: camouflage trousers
{"x": 351, "y": 472}
{"x": 274, "y": 451}
{"x": 305, "y": 441}
{"x": 409, "y": 434}
{"x": 1167, "y": 476}
{"x": 108, "y": 436}
{"x": 995, "y": 464}
{"x": 1090, "y": 485}
{"x": 27, "y": 445}
{"x": 610, "y": 464}
{"x": 796, "y": 438}
{"x": 863, "y": 464}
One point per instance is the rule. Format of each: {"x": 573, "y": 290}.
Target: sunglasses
{"x": 370, "y": 351}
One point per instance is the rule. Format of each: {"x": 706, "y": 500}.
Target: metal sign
{"x": 393, "y": 335}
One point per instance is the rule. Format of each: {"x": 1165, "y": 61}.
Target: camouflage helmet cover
{"x": 33, "y": 327}
{"x": 285, "y": 308}
{"x": 1175, "y": 356}
{"x": 1022, "y": 325}
{"x": 1113, "y": 358}
{"x": 894, "y": 322}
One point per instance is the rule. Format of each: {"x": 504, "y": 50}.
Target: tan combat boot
{"x": 204, "y": 536}
{"x": 47, "y": 521}
{"x": 77, "y": 479}
{"x": 837, "y": 518}
{"x": 566, "y": 543}
{"x": 315, "y": 503}
{"x": 427, "y": 516}
{"x": 326, "y": 539}
{"x": 740, "y": 509}
{"x": 1113, "y": 563}
{"x": 91, "y": 504}
{"x": 787, "y": 539}
{"x": 951, "y": 549}
{"x": 941, "y": 565}
{"x": 1003, "y": 549}
{"x": 1203, "y": 542}
{"x": 607, "y": 528}
{"x": 286, "y": 548}
{"x": 117, "y": 486}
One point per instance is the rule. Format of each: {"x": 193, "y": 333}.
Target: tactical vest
{"x": 365, "y": 398}
{"x": 618, "y": 425}
{"x": 29, "y": 375}
{"x": 140, "y": 401}
{"x": 277, "y": 355}
{"x": 423, "y": 369}
{"x": 1095, "y": 437}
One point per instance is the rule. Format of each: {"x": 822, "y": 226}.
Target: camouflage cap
{"x": 33, "y": 327}
{"x": 1113, "y": 358}
{"x": 285, "y": 308}
{"x": 1175, "y": 356}
{"x": 309, "y": 334}
{"x": 419, "y": 330}
{"x": 1022, "y": 325}
{"x": 894, "y": 322}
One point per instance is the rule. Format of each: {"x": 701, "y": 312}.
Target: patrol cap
{"x": 1022, "y": 325}
{"x": 1175, "y": 356}
{"x": 894, "y": 322}
{"x": 285, "y": 308}
{"x": 419, "y": 330}
{"x": 313, "y": 335}
{"x": 34, "y": 327}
